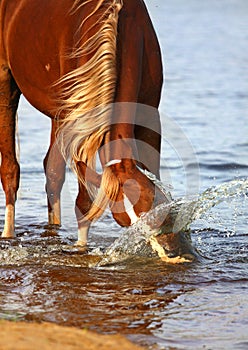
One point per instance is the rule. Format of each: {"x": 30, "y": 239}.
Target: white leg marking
{"x": 130, "y": 210}
{"x": 9, "y": 224}
{"x": 83, "y": 236}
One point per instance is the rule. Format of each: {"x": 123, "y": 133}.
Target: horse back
{"x": 36, "y": 44}
{"x": 38, "y": 39}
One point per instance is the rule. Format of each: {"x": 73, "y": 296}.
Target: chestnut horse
{"x": 91, "y": 66}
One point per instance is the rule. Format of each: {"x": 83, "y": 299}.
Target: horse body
{"x": 53, "y": 54}
{"x": 37, "y": 41}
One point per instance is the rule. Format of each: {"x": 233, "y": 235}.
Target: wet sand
{"x": 47, "y": 336}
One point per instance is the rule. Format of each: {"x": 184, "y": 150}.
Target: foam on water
{"x": 139, "y": 238}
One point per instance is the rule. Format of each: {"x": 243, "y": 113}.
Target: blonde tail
{"x": 107, "y": 194}
{"x": 88, "y": 94}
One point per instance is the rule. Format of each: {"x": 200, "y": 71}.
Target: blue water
{"x": 204, "y": 111}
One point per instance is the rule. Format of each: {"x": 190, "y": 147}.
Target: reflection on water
{"x": 197, "y": 305}
{"x": 45, "y": 278}
{"x": 146, "y": 299}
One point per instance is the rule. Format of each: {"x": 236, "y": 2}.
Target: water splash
{"x": 147, "y": 238}
{"x": 139, "y": 238}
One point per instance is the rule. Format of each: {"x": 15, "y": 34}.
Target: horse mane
{"x": 88, "y": 94}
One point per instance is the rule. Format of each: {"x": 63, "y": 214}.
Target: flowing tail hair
{"x": 87, "y": 98}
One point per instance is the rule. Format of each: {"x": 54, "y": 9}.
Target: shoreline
{"x": 46, "y": 336}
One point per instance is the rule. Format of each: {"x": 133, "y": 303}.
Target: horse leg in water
{"x": 10, "y": 171}
{"x": 54, "y": 167}
{"x": 83, "y": 201}
{"x": 83, "y": 204}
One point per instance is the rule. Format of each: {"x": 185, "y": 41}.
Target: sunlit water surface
{"x": 204, "y": 110}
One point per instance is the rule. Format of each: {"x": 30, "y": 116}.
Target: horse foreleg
{"x": 83, "y": 204}
{"x": 10, "y": 174}
{"x": 54, "y": 167}
{"x": 9, "y": 170}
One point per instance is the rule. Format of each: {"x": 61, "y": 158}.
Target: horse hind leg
{"x": 84, "y": 202}
{"x": 82, "y": 206}
{"x": 9, "y": 169}
{"x": 54, "y": 167}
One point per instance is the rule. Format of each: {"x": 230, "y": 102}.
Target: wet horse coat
{"x": 90, "y": 66}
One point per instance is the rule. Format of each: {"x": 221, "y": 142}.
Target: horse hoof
{"x": 80, "y": 243}
{"x": 8, "y": 235}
